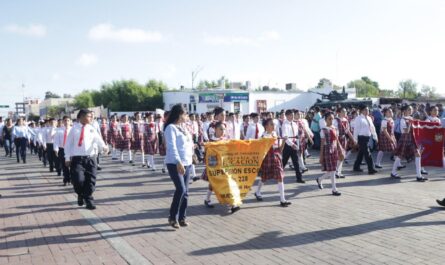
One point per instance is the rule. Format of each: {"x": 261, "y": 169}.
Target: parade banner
{"x": 232, "y": 167}
{"x": 429, "y": 137}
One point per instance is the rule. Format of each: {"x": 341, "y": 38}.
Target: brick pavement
{"x": 375, "y": 221}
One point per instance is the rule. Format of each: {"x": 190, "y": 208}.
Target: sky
{"x": 69, "y": 46}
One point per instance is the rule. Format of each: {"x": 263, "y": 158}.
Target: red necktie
{"x": 64, "y": 137}
{"x": 256, "y": 131}
{"x": 81, "y": 136}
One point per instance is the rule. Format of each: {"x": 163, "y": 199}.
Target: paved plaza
{"x": 376, "y": 220}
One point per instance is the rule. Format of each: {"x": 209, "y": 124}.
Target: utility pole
{"x": 195, "y": 74}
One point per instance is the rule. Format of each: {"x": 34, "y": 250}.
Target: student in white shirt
{"x": 290, "y": 131}
{"x": 364, "y": 129}
{"x": 59, "y": 147}
{"x": 81, "y": 147}
{"x": 255, "y": 129}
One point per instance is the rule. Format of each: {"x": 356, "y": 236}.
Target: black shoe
{"x": 18, "y": 161}
{"x": 90, "y": 205}
{"x": 441, "y": 202}
{"x": 163, "y": 170}
{"x": 401, "y": 167}
{"x": 144, "y": 165}
{"x": 173, "y": 224}
{"x": 346, "y": 162}
{"x": 301, "y": 181}
{"x": 395, "y": 176}
{"x": 358, "y": 170}
{"x": 424, "y": 172}
{"x": 195, "y": 179}
{"x": 258, "y": 198}
{"x": 377, "y": 166}
{"x": 285, "y": 203}
{"x": 372, "y": 172}
{"x": 320, "y": 186}
{"x": 79, "y": 200}
{"x": 131, "y": 162}
{"x": 309, "y": 155}
{"x": 59, "y": 174}
{"x": 305, "y": 170}
{"x": 208, "y": 205}
{"x": 421, "y": 179}
{"x": 234, "y": 209}
{"x": 99, "y": 168}
{"x": 336, "y": 193}
{"x": 183, "y": 223}
{"x": 64, "y": 183}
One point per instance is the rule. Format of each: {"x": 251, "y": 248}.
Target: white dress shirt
{"x": 363, "y": 126}
{"x": 322, "y": 123}
{"x": 290, "y": 129}
{"x": 91, "y": 140}
{"x": 58, "y": 139}
{"x": 251, "y": 131}
{"x": 48, "y": 134}
{"x": 233, "y": 130}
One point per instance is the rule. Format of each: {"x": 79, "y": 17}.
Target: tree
{"x": 205, "y": 84}
{"x": 429, "y": 92}
{"x": 67, "y": 96}
{"x": 84, "y": 100}
{"x": 323, "y": 82}
{"x": 55, "y": 111}
{"x": 49, "y": 94}
{"x": 408, "y": 89}
{"x": 365, "y": 87}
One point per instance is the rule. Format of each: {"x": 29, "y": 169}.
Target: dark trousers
{"x": 397, "y": 135}
{"x": 180, "y": 198}
{"x": 363, "y": 150}
{"x": 42, "y": 155}
{"x": 65, "y": 169}
{"x": 8, "y": 147}
{"x": 317, "y": 140}
{"x": 83, "y": 176}
{"x": 20, "y": 148}
{"x": 32, "y": 147}
{"x": 51, "y": 155}
{"x": 293, "y": 154}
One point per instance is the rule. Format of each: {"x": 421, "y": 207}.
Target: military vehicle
{"x": 335, "y": 99}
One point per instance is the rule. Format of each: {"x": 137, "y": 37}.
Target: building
{"x": 62, "y": 104}
{"x": 291, "y": 86}
{"x": 241, "y": 101}
{"x": 32, "y": 107}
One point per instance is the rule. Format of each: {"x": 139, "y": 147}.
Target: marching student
{"x": 406, "y": 146}
{"x": 290, "y": 131}
{"x": 59, "y": 147}
{"x": 137, "y": 144}
{"x": 244, "y": 127}
{"x": 219, "y": 116}
{"x": 114, "y": 136}
{"x": 233, "y": 127}
{"x": 341, "y": 124}
{"x": 363, "y": 131}
{"x": 40, "y": 142}
{"x": 352, "y": 145}
{"x": 7, "y": 137}
{"x": 330, "y": 152}
{"x": 81, "y": 147}
{"x": 179, "y": 152}
{"x": 272, "y": 167}
{"x": 48, "y": 142}
{"x": 150, "y": 140}
{"x": 104, "y": 132}
{"x": 20, "y": 136}
{"x": 255, "y": 129}
{"x": 161, "y": 141}
{"x": 125, "y": 136}
{"x": 387, "y": 140}
{"x": 303, "y": 137}
{"x": 219, "y": 129}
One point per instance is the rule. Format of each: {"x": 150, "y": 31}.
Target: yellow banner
{"x": 232, "y": 167}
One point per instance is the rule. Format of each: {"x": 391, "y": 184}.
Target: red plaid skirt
{"x": 406, "y": 147}
{"x": 150, "y": 147}
{"x": 162, "y": 150}
{"x": 303, "y": 145}
{"x": 124, "y": 144}
{"x": 136, "y": 144}
{"x": 385, "y": 145}
{"x": 343, "y": 140}
{"x": 272, "y": 167}
{"x": 330, "y": 158}
{"x": 113, "y": 137}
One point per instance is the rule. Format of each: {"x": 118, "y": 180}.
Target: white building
{"x": 201, "y": 101}
{"x": 62, "y": 103}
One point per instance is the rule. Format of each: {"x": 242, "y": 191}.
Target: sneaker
{"x": 183, "y": 223}
{"x": 320, "y": 186}
{"x": 173, "y": 224}
{"x": 395, "y": 176}
{"x": 378, "y": 166}
{"x": 208, "y": 205}
{"x": 234, "y": 209}
{"x": 336, "y": 193}
{"x": 258, "y": 197}
{"x": 285, "y": 203}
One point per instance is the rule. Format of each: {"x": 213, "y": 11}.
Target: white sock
{"x": 301, "y": 161}
{"x": 418, "y": 167}
{"x": 281, "y": 191}
{"x": 209, "y": 193}
{"x": 339, "y": 167}
{"x": 395, "y": 165}
{"x": 122, "y": 155}
{"x": 399, "y": 164}
{"x": 333, "y": 181}
{"x": 258, "y": 188}
{"x": 192, "y": 168}
{"x": 348, "y": 154}
{"x": 379, "y": 158}
{"x": 130, "y": 157}
{"x": 113, "y": 153}
{"x": 152, "y": 161}
{"x": 143, "y": 158}
{"x": 306, "y": 152}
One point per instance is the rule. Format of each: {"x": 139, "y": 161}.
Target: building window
{"x": 261, "y": 106}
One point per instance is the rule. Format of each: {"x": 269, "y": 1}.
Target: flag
{"x": 429, "y": 137}
{"x": 232, "y": 167}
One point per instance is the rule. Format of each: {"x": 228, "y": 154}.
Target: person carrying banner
{"x": 331, "y": 151}
{"x": 406, "y": 147}
{"x": 179, "y": 152}
{"x": 272, "y": 167}
{"x": 290, "y": 131}
{"x": 387, "y": 141}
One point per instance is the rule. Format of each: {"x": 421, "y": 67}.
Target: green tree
{"x": 324, "y": 81}
{"x": 84, "y": 100}
{"x": 429, "y": 92}
{"x": 55, "y": 111}
{"x": 209, "y": 84}
{"x": 408, "y": 89}
{"x": 49, "y": 94}
{"x": 365, "y": 87}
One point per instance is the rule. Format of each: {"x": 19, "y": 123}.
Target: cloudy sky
{"x": 69, "y": 46}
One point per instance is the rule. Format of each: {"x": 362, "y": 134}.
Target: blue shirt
{"x": 179, "y": 145}
{"x": 315, "y": 126}
{"x": 22, "y": 132}
{"x": 378, "y": 117}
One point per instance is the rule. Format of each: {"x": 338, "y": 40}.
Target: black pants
{"x": 20, "y": 148}
{"x": 363, "y": 150}
{"x": 52, "y": 158}
{"x": 32, "y": 147}
{"x": 65, "y": 169}
{"x": 293, "y": 154}
{"x": 83, "y": 176}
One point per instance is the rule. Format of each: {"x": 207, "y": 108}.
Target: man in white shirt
{"x": 363, "y": 130}
{"x": 81, "y": 148}
{"x": 255, "y": 129}
{"x": 206, "y": 125}
{"x": 289, "y": 130}
{"x": 233, "y": 127}
{"x": 48, "y": 140}
{"x": 59, "y": 148}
